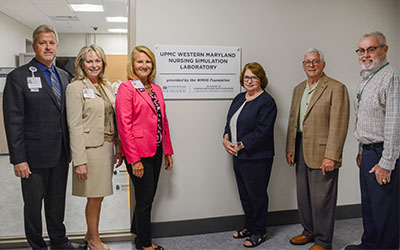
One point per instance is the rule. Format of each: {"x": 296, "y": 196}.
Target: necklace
{"x": 249, "y": 98}
{"x": 147, "y": 86}
{"x": 96, "y": 85}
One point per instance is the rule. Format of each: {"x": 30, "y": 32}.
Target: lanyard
{"x": 369, "y": 79}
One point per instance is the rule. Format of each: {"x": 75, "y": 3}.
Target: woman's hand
{"x": 231, "y": 148}
{"x": 81, "y": 172}
{"x": 168, "y": 162}
{"x": 117, "y": 160}
{"x": 138, "y": 169}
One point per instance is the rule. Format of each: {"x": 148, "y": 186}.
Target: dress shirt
{"x": 378, "y": 112}
{"x": 46, "y": 73}
{"x": 305, "y": 100}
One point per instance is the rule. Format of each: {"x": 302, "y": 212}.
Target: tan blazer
{"x": 325, "y": 122}
{"x": 85, "y": 117}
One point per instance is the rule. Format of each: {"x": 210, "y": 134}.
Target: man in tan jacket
{"x": 318, "y": 122}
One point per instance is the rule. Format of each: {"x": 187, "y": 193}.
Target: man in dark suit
{"x": 37, "y": 136}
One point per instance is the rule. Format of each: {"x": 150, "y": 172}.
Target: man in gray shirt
{"x": 377, "y": 108}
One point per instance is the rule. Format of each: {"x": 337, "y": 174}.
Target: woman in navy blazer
{"x": 249, "y": 138}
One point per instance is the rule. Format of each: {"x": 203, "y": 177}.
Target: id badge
{"x": 88, "y": 93}
{"x": 34, "y": 83}
{"x": 137, "y": 84}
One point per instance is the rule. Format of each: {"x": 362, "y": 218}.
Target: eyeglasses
{"x": 313, "y": 62}
{"x": 250, "y": 78}
{"x": 370, "y": 50}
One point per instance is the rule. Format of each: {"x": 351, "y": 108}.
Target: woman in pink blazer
{"x": 144, "y": 132}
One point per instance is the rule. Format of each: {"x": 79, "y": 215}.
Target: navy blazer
{"x": 35, "y": 124}
{"x": 255, "y": 125}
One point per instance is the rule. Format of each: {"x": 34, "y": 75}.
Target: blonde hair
{"x": 80, "y": 58}
{"x": 147, "y": 51}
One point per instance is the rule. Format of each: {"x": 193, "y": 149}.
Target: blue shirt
{"x": 46, "y": 73}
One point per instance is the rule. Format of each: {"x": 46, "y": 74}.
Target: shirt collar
{"x": 43, "y": 67}
{"x": 313, "y": 88}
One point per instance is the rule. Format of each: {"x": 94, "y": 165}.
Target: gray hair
{"x": 43, "y": 28}
{"x": 315, "y": 51}
{"x": 378, "y": 35}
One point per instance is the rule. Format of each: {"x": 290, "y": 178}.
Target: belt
{"x": 372, "y": 146}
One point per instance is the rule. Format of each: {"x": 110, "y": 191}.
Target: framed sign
{"x": 198, "y": 72}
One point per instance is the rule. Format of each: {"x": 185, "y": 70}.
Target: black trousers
{"x": 48, "y": 184}
{"x": 379, "y": 204}
{"x": 145, "y": 190}
{"x": 252, "y": 177}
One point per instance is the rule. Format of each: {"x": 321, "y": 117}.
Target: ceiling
{"x": 58, "y": 14}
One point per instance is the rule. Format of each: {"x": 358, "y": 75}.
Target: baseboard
{"x": 191, "y": 227}
{"x": 230, "y": 223}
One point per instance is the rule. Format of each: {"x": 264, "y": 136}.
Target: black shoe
{"x": 355, "y": 247}
{"x": 68, "y": 246}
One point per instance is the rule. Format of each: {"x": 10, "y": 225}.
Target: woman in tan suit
{"x": 93, "y": 136}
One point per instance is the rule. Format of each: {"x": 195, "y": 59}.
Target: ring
{"x": 384, "y": 181}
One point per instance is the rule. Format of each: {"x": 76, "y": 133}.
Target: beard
{"x": 370, "y": 63}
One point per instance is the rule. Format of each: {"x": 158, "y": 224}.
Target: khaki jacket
{"x": 325, "y": 123}
{"x": 85, "y": 117}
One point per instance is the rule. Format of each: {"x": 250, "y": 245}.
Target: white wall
{"x": 112, "y": 44}
{"x": 13, "y": 41}
{"x": 276, "y": 34}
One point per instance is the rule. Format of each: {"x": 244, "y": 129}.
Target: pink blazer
{"x": 137, "y": 122}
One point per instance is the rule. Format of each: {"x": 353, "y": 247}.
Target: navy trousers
{"x": 380, "y": 204}
{"x": 252, "y": 177}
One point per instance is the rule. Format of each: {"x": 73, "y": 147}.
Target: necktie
{"x": 55, "y": 86}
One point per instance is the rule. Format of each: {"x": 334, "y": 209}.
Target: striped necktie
{"x": 55, "y": 86}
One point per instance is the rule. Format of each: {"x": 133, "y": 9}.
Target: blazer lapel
{"x": 236, "y": 105}
{"x": 317, "y": 94}
{"x": 64, "y": 82}
{"x": 110, "y": 95}
{"x": 90, "y": 85}
{"x": 299, "y": 96}
{"x": 146, "y": 97}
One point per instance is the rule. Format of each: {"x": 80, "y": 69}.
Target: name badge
{"x": 137, "y": 84}
{"x": 88, "y": 93}
{"x": 34, "y": 83}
